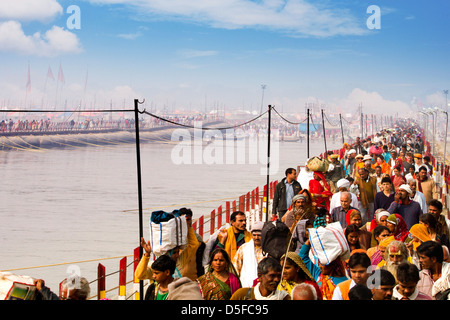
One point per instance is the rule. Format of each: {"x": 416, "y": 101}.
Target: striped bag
{"x": 328, "y": 243}
{"x": 167, "y": 235}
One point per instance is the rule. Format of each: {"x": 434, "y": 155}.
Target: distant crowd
{"x": 91, "y": 123}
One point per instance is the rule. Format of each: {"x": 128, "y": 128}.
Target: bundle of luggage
{"x": 167, "y": 231}
{"x": 318, "y": 164}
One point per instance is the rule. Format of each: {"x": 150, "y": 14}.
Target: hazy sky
{"x": 185, "y": 54}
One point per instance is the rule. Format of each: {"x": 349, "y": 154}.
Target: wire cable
{"x": 207, "y": 128}
{"x": 295, "y": 123}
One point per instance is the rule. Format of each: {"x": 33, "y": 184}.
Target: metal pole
{"x": 446, "y": 101}
{"x": 366, "y": 126}
{"x": 361, "y": 123}
{"x": 342, "y": 129}
{"x": 324, "y": 137}
{"x": 263, "y": 87}
{"x": 139, "y": 179}
{"x": 307, "y": 133}
{"x": 434, "y": 133}
{"x": 445, "y": 137}
{"x": 268, "y": 163}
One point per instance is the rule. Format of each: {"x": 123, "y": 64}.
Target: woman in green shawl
{"x": 295, "y": 272}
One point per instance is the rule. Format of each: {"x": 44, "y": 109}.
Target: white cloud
{"x": 188, "y": 54}
{"x": 296, "y": 17}
{"x": 129, "y": 36}
{"x": 436, "y": 99}
{"x": 27, "y": 10}
{"x": 373, "y": 103}
{"x": 53, "y": 42}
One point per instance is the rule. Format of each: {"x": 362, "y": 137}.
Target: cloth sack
{"x": 328, "y": 243}
{"x": 16, "y": 287}
{"x": 317, "y": 164}
{"x": 167, "y": 233}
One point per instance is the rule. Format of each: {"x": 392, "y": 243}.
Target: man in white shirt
{"x": 343, "y": 185}
{"x": 417, "y": 195}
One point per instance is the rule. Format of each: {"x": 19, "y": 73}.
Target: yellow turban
{"x": 419, "y": 231}
{"x": 385, "y": 242}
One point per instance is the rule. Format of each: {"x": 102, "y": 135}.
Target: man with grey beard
{"x": 396, "y": 253}
{"x": 298, "y": 212}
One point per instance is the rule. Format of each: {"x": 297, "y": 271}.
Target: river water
{"x": 69, "y": 205}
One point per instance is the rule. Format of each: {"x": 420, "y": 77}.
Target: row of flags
{"x": 61, "y": 78}
{"x": 60, "y": 81}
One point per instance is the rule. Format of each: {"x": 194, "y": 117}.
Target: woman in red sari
{"x": 320, "y": 190}
{"x": 397, "y": 178}
{"x": 397, "y": 225}
{"x": 399, "y": 163}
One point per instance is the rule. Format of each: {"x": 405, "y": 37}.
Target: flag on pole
{"x": 28, "y": 80}
{"x": 50, "y": 73}
{"x": 61, "y": 75}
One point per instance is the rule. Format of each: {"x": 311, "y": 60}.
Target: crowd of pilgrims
{"x": 380, "y": 190}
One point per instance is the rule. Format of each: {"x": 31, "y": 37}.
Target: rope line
{"x": 312, "y": 122}
{"x": 64, "y": 263}
{"x": 193, "y": 127}
{"x": 295, "y": 123}
{"x": 332, "y": 124}
{"x": 66, "y": 111}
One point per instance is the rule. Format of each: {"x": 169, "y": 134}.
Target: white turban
{"x": 381, "y": 213}
{"x": 343, "y": 183}
{"x": 406, "y": 188}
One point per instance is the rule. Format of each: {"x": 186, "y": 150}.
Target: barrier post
{"x": 247, "y": 202}
{"x": 122, "y": 278}
{"x": 264, "y": 205}
{"x": 219, "y": 217}
{"x": 227, "y": 212}
{"x": 253, "y": 199}
{"x": 137, "y": 293}
{"x": 247, "y": 210}
{"x": 200, "y": 226}
{"x": 271, "y": 190}
{"x": 257, "y": 202}
{"x": 101, "y": 272}
{"x": 61, "y": 288}
{"x": 213, "y": 221}
{"x": 241, "y": 203}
